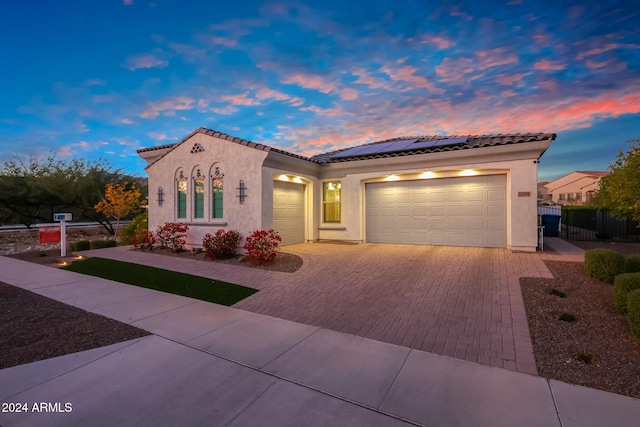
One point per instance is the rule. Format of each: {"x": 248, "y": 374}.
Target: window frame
{"x": 335, "y": 204}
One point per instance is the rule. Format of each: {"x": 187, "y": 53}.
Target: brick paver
{"x": 460, "y": 302}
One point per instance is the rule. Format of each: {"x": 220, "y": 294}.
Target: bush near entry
{"x": 623, "y": 284}
{"x": 172, "y": 235}
{"x": 82, "y": 245}
{"x": 100, "y": 244}
{"x": 633, "y": 312}
{"x": 221, "y": 245}
{"x": 262, "y": 245}
{"x": 603, "y": 264}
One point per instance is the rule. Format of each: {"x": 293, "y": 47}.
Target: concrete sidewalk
{"x": 212, "y": 365}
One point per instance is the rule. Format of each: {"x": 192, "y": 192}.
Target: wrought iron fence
{"x": 586, "y": 223}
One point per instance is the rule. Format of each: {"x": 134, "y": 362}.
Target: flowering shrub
{"x": 221, "y": 245}
{"x": 262, "y": 245}
{"x": 144, "y": 240}
{"x": 172, "y": 235}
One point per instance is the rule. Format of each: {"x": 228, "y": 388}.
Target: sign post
{"x": 62, "y": 218}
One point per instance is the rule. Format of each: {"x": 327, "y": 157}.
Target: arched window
{"x": 181, "y": 192}
{"x": 198, "y": 192}
{"x": 217, "y": 190}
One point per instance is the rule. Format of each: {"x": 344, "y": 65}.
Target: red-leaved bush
{"x": 221, "y": 245}
{"x": 144, "y": 239}
{"x": 172, "y": 235}
{"x": 262, "y": 245}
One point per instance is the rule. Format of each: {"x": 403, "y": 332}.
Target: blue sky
{"x": 104, "y": 78}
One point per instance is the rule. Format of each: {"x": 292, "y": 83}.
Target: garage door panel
{"x": 288, "y": 211}
{"x": 466, "y": 211}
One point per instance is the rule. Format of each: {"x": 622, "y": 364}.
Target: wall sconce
{"x": 160, "y": 196}
{"x": 242, "y": 191}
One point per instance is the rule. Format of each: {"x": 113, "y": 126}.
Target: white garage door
{"x": 468, "y": 211}
{"x": 288, "y": 211}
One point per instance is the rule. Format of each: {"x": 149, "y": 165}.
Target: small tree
{"x": 119, "y": 201}
{"x": 620, "y": 190}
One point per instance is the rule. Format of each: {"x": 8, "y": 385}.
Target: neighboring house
{"x": 576, "y": 188}
{"x": 542, "y": 192}
{"x": 460, "y": 191}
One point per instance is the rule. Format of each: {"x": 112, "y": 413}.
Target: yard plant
{"x": 172, "y": 235}
{"x": 603, "y": 264}
{"x": 632, "y": 264}
{"x": 262, "y": 245}
{"x": 623, "y": 284}
{"x": 633, "y": 312}
{"x": 168, "y": 281}
{"x": 221, "y": 245}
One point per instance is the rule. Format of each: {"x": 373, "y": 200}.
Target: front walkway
{"x": 460, "y": 302}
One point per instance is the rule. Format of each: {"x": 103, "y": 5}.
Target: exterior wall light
{"x": 427, "y": 175}
{"x": 160, "y": 196}
{"x": 283, "y": 177}
{"x": 297, "y": 180}
{"x": 242, "y": 191}
{"x": 392, "y": 178}
{"x": 468, "y": 172}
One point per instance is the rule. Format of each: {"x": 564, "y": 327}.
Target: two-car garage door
{"x": 465, "y": 211}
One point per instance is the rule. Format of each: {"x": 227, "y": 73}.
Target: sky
{"x": 101, "y": 79}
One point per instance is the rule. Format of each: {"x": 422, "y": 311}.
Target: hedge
{"x": 603, "y": 264}
{"x": 623, "y": 284}
{"x": 633, "y": 312}
{"x": 632, "y": 264}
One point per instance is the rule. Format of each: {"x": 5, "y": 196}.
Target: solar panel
{"x": 421, "y": 144}
{"x": 349, "y": 152}
{"x": 450, "y": 141}
{"x": 396, "y": 146}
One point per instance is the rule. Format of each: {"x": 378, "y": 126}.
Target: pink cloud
{"x": 167, "y": 106}
{"x": 547, "y": 65}
{"x": 190, "y": 53}
{"x": 440, "y": 41}
{"x": 226, "y": 110}
{"x": 407, "y": 74}
{"x": 454, "y": 70}
{"x": 348, "y": 94}
{"x": 239, "y": 99}
{"x": 126, "y": 121}
{"x": 606, "y": 48}
{"x": 508, "y": 80}
{"x": 223, "y": 41}
{"x": 266, "y": 93}
{"x": 494, "y": 58}
{"x": 310, "y": 81}
{"x": 145, "y": 60}
{"x": 364, "y": 78}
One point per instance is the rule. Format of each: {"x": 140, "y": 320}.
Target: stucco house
{"x": 575, "y": 188}
{"x": 434, "y": 190}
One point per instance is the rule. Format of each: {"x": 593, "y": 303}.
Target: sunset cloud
{"x": 167, "y": 106}
{"x": 145, "y": 60}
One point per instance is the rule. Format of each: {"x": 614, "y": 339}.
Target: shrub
{"x": 624, "y": 284}
{"x": 100, "y": 244}
{"x": 172, "y": 235}
{"x": 633, "y": 312}
{"x": 221, "y": 245}
{"x": 557, "y": 293}
{"x": 567, "y": 317}
{"x": 262, "y": 245}
{"x": 603, "y": 264}
{"x": 632, "y": 264}
{"x": 144, "y": 240}
{"x": 133, "y": 230}
{"x": 82, "y": 245}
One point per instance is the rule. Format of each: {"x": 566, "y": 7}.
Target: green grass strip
{"x": 172, "y": 282}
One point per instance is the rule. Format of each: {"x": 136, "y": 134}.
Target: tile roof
{"x": 472, "y": 141}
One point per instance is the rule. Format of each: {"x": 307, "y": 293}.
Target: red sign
{"x": 49, "y": 235}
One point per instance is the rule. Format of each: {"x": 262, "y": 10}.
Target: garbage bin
{"x": 551, "y": 225}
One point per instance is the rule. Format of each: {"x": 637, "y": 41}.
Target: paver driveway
{"x": 460, "y": 302}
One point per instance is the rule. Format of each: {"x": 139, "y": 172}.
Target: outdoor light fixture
{"x": 392, "y": 178}
{"x": 283, "y": 177}
{"x": 427, "y": 175}
{"x": 160, "y": 196}
{"x": 468, "y": 172}
{"x": 242, "y": 194}
{"x": 297, "y": 179}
